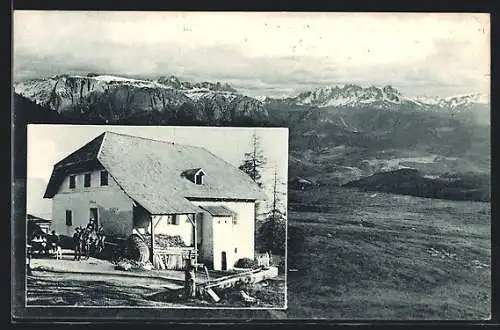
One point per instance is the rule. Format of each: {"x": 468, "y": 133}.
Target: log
{"x": 249, "y": 277}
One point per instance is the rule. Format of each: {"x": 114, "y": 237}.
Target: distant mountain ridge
{"x": 115, "y": 97}
{"x": 112, "y": 98}
{"x": 351, "y": 95}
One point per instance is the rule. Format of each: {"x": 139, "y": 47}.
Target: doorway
{"x": 224, "y": 261}
{"x": 94, "y": 216}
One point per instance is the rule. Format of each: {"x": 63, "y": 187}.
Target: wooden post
{"x": 152, "y": 241}
{"x": 189, "y": 280}
{"x": 195, "y": 244}
{"x": 195, "y": 240}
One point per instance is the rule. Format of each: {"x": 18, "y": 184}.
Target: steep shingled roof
{"x": 150, "y": 172}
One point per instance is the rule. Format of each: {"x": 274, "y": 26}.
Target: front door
{"x": 224, "y": 261}
{"x": 94, "y": 216}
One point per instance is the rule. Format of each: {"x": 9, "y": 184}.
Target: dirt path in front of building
{"x": 78, "y": 289}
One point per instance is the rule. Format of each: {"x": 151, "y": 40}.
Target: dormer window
{"x": 195, "y": 175}
{"x": 198, "y": 178}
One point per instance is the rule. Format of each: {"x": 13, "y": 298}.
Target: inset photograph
{"x": 180, "y": 217}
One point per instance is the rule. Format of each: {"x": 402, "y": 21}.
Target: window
{"x": 72, "y": 181}
{"x": 69, "y": 218}
{"x": 104, "y": 178}
{"x": 173, "y": 219}
{"x": 235, "y": 218}
{"x": 235, "y": 250}
{"x": 194, "y": 175}
{"x": 86, "y": 180}
{"x": 198, "y": 179}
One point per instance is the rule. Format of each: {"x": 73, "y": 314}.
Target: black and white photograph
{"x": 252, "y": 165}
{"x": 156, "y": 216}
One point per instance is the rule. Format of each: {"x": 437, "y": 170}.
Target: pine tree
{"x": 273, "y": 231}
{"x": 254, "y": 161}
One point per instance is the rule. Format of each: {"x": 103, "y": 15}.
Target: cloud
{"x": 261, "y": 53}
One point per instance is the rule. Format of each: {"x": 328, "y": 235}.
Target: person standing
{"x": 53, "y": 241}
{"x": 91, "y": 225}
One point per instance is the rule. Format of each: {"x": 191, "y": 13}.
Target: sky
{"x": 262, "y": 54}
{"x": 48, "y": 144}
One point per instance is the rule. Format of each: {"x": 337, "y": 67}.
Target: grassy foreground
{"x": 382, "y": 256}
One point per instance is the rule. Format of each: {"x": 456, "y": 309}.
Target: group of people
{"x": 46, "y": 243}
{"x": 88, "y": 239}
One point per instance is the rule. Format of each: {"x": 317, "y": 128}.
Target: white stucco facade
{"x": 113, "y": 206}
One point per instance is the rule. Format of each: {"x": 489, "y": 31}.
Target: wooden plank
{"x": 212, "y": 295}
{"x": 162, "y": 265}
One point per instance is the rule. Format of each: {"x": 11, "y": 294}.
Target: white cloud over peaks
{"x": 278, "y": 50}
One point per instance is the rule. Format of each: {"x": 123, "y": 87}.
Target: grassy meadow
{"x": 383, "y": 256}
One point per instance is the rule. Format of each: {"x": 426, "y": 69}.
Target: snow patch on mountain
{"x": 350, "y": 95}
{"x": 454, "y": 101}
{"x": 196, "y": 94}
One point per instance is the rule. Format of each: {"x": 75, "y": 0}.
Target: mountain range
{"x": 386, "y": 97}
{"x": 337, "y": 134}
{"x": 117, "y": 98}
{"x": 111, "y": 99}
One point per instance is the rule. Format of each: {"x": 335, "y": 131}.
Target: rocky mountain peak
{"x": 112, "y": 98}
{"x": 172, "y": 81}
{"x": 175, "y": 82}
{"x": 383, "y": 97}
{"x": 348, "y": 95}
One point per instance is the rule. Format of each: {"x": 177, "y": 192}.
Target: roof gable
{"x": 83, "y": 159}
